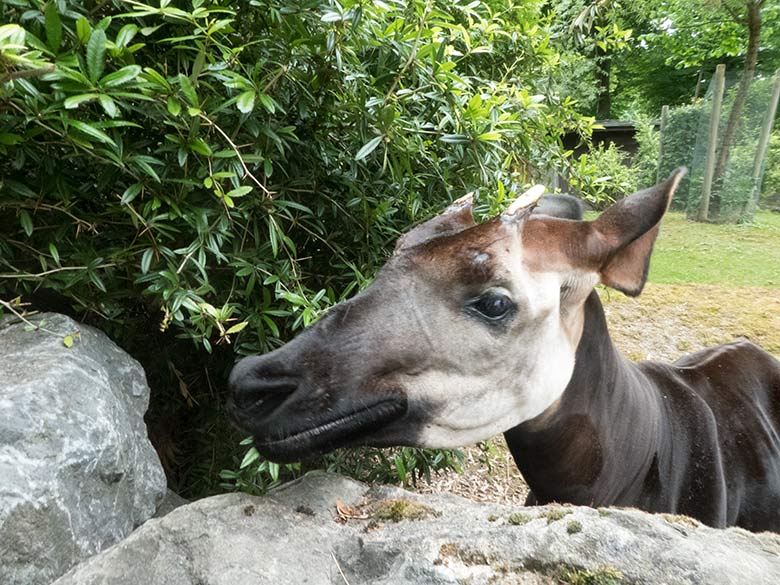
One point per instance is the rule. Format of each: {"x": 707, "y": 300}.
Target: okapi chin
{"x": 471, "y": 329}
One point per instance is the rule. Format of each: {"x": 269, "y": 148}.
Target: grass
{"x": 397, "y": 510}
{"x": 729, "y": 255}
{"x": 668, "y": 320}
{"x": 708, "y": 284}
{"x": 606, "y": 575}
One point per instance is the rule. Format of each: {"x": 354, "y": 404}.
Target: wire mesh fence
{"x": 726, "y": 164}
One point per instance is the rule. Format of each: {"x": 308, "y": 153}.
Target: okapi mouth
{"x": 350, "y": 429}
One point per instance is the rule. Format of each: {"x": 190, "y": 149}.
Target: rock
{"x": 77, "y": 471}
{"x": 169, "y": 503}
{"x": 323, "y": 529}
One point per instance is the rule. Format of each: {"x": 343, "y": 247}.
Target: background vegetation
{"x": 201, "y": 179}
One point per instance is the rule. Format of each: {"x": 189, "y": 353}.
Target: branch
{"x": 412, "y": 54}
{"x": 275, "y": 78}
{"x": 53, "y": 271}
{"x": 26, "y": 73}
{"x": 238, "y": 154}
{"x": 21, "y": 316}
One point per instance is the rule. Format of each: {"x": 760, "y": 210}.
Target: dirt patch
{"x": 664, "y": 323}
{"x": 669, "y": 320}
{"x": 489, "y": 475}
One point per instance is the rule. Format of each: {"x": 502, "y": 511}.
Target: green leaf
{"x": 109, "y": 105}
{"x": 55, "y": 254}
{"x": 53, "y": 26}
{"x": 455, "y": 139}
{"x": 271, "y": 325}
{"x": 83, "y": 30}
{"x": 67, "y": 341}
{"x": 146, "y": 260}
{"x": 199, "y": 145}
{"x": 273, "y": 470}
{"x": 489, "y": 136}
{"x": 130, "y": 193}
{"x": 237, "y": 327}
{"x": 251, "y": 456}
{"x": 188, "y": 90}
{"x": 246, "y": 102}
{"x": 125, "y": 35}
{"x": 368, "y": 148}
{"x": 96, "y": 54}
{"x": 267, "y": 102}
{"x": 153, "y": 76}
{"x": 145, "y": 164}
{"x": 7, "y": 139}
{"x": 91, "y": 131}
{"x": 76, "y": 100}
{"x": 124, "y": 75}
{"x": 26, "y": 221}
{"x": 174, "y": 106}
{"x": 97, "y": 281}
{"x": 14, "y": 33}
{"x": 239, "y": 191}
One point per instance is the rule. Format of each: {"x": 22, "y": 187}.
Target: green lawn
{"x": 731, "y": 255}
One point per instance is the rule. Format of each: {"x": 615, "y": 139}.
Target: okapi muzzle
{"x": 322, "y": 390}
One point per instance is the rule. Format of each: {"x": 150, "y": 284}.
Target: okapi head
{"x": 468, "y": 330}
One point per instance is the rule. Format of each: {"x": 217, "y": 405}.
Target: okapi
{"x": 474, "y": 329}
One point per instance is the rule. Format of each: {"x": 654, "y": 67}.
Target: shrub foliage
{"x": 224, "y": 170}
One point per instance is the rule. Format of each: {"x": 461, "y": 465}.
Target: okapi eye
{"x": 493, "y": 305}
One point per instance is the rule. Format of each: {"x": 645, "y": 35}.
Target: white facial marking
{"x": 488, "y": 379}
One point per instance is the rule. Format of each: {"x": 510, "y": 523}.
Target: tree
{"x": 595, "y": 30}
{"x": 748, "y": 14}
{"x": 226, "y": 170}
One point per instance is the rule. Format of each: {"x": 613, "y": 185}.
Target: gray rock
{"x": 169, "y": 503}
{"x": 295, "y": 535}
{"x": 77, "y": 471}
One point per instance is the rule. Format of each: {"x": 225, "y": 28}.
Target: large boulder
{"x": 326, "y": 529}
{"x": 77, "y": 471}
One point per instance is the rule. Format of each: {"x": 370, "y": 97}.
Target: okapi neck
{"x": 596, "y": 444}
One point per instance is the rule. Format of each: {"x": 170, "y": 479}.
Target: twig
{"x": 275, "y": 78}
{"x": 335, "y": 560}
{"x": 10, "y": 307}
{"x": 238, "y": 154}
{"x": 183, "y": 262}
{"x": 53, "y": 271}
{"x": 413, "y": 53}
{"x": 26, "y": 73}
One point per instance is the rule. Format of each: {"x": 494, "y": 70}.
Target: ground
{"x": 708, "y": 284}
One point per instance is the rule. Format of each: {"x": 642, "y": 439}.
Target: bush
{"x": 770, "y": 188}
{"x": 204, "y": 179}
{"x": 644, "y": 163}
{"x": 604, "y": 177}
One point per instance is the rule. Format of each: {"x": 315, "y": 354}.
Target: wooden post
{"x": 661, "y": 130}
{"x": 763, "y": 144}
{"x": 712, "y": 142}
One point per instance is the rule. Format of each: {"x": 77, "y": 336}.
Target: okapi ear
{"x": 622, "y": 237}
{"x": 456, "y": 218}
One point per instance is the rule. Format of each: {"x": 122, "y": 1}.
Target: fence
{"x": 726, "y": 164}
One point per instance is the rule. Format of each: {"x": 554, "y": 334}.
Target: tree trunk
{"x": 729, "y": 134}
{"x": 698, "y": 83}
{"x": 603, "y": 73}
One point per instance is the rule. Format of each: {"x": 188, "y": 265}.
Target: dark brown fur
{"x": 698, "y": 437}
